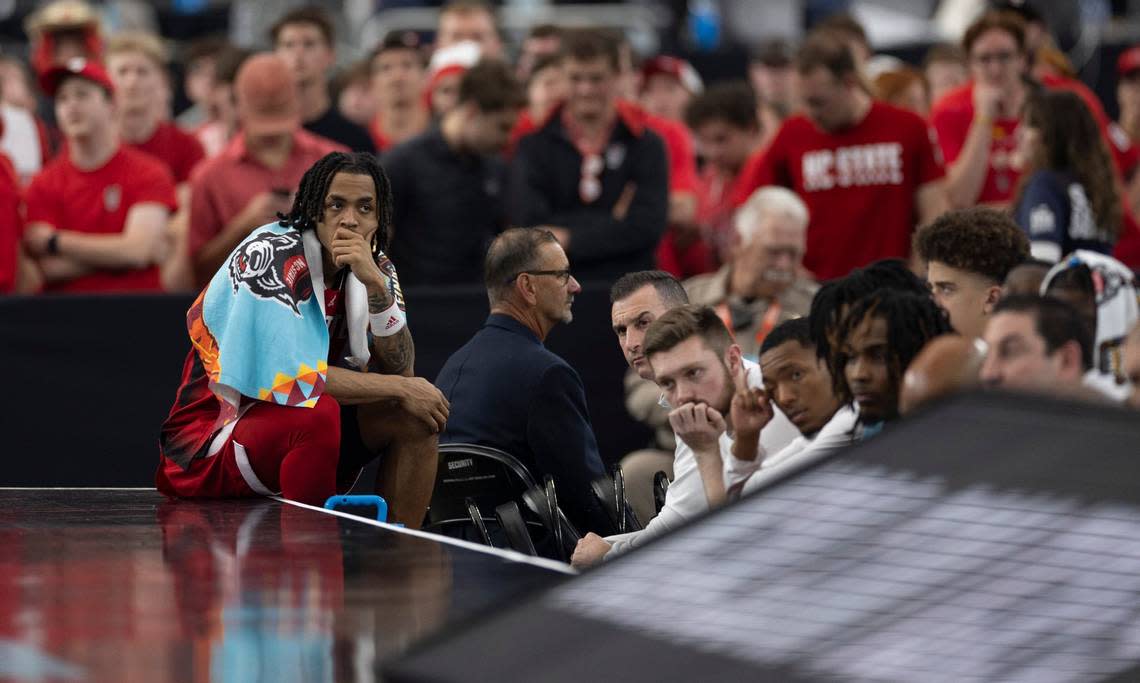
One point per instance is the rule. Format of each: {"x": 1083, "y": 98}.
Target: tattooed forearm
{"x": 379, "y": 301}
{"x": 395, "y": 355}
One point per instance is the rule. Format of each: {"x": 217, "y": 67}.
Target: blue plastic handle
{"x": 339, "y": 502}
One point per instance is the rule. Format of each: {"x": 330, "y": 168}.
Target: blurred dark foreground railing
{"x": 87, "y": 380}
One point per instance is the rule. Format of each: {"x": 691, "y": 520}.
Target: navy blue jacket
{"x": 509, "y": 391}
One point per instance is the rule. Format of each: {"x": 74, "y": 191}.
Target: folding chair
{"x": 514, "y": 528}
{"x": 610, "y": 493}
{"x": 489, "y": 478}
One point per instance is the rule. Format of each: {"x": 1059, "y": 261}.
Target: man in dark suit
{"x": 508, "y": 391}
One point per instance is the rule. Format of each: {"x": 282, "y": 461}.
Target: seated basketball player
{"x": 301, "y": 366}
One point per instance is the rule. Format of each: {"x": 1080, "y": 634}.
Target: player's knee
{"x": 319, "y": 424}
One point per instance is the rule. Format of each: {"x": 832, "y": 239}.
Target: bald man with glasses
{"x": 507, "y": 390}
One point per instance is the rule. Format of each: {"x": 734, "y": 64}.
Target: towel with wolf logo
{"x": 259, "y": 326}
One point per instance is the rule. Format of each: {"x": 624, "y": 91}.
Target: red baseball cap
{"x": 1129, "y": 61}
{"x": 266, "y": 95}
{"x": 677, "y": 68}
{"x": 79, "y": 68}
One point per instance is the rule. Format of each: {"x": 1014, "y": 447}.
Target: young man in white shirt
{"x": 702, "y": 362}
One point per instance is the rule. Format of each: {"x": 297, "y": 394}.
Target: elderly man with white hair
{"x": 763, "y": 283}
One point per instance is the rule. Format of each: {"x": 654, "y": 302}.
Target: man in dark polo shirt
{"x": 447, "y": 182}
{"x": 304, "y": 38}
{"x": 595, "y": 175}
{"x": 508, "y": 391}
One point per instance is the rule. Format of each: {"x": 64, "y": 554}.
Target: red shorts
{"x": 245, "y": 459}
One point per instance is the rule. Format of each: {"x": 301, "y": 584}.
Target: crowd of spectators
{"x": 803, "y": 232}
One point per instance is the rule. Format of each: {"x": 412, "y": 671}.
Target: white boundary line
{"x": 77, "y": 488}
{"x": 497, "y": 552}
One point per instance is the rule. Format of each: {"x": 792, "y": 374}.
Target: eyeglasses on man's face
{"x": 562, "y": 275}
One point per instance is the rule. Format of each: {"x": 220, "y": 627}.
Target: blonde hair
{"x": 768, "y": 200}
{"x": 138, "y": 42}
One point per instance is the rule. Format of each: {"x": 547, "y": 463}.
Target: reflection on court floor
{"x": 126, "y": 585}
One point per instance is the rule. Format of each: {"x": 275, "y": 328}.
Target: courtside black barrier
{"x": 89, "y": 379}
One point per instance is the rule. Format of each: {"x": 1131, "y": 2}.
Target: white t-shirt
{"x": 21, "y": 141}
{"x": 685, "y": 499}
{"x": 745, "y": 476}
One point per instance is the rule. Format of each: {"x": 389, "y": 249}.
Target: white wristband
{"x": 388, "y": 322}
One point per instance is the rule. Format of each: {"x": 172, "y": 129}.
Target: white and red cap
{"x": 77, "y": 67}
{"x": 677, "y": 68}
{"x": 456, "y": 58}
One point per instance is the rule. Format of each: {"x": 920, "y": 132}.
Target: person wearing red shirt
{"x": 977, "y": 122}
{"x": 136, "y": 63}
{"x": 726, "y": 126}
{"x": 398, "y": 71}
{"x": 868, "y": 171}
{"x": 97, "y": 215}
{"x": 11, "y": 225}
{"x": 255, "y": 177}
{"x": 668, "y": 84}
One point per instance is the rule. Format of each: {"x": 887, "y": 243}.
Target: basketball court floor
{"x": 127, "y": 585}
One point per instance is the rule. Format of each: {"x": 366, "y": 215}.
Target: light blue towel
{"x": 259, "y": 327}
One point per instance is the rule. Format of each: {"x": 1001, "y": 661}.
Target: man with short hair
{"x": 637, "y": 299}
{"x": 594, "y": 173}
{"x": 727, "y": 131}
{"x": 462, "y": 207}
{"x": 543, "y": 40}
{"x": 472, "y": 20}
{"x": 136, "y": 63}
{"x": 968, "y": 254}
{"x": 867, "y": 170}
{"x": 508, "y": 391}
{"x": 398, "y": 69}
{"x": 305, "y": 39}
{"x": 761, "y": 285}
{"x": 700, "y": 356}
{"x": 798, "y": 383}
{"x": 717, "y": 403}
{"x": 1036, "y": 344}
{"x": 200, "y": 64}
{"x": 771, "y": 73}
{"x": 944, "y": 68}
{"x": 257, "y": 174}
{"x": 848, "y": 29}
{"x": 97, "y": 215}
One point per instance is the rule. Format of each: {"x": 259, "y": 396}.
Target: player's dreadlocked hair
{"x": 912, "y": 320}
{"x": 836, "y": 295}
{"x": 309, "y": 204}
